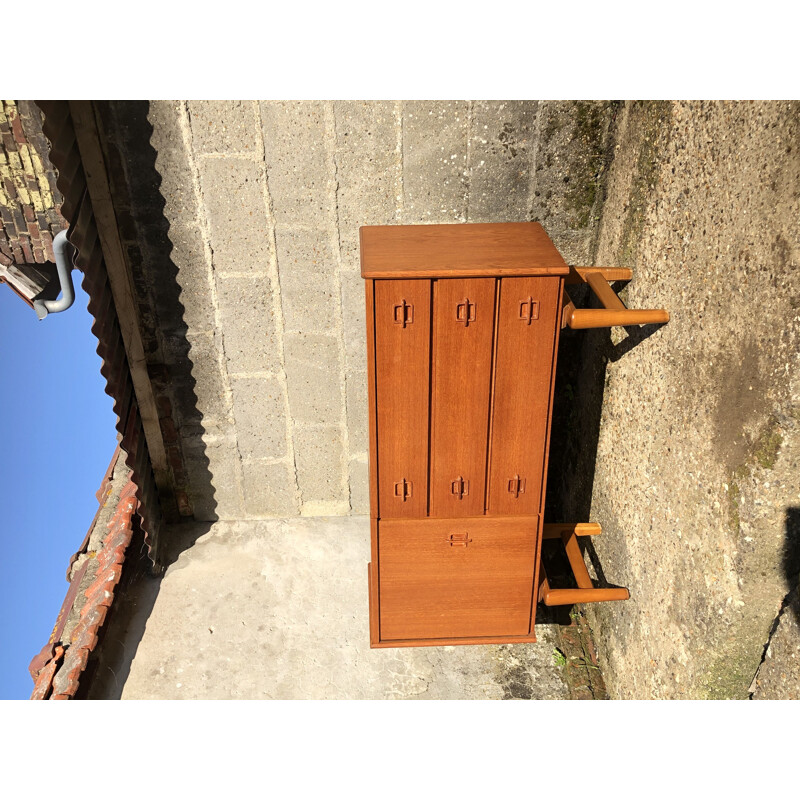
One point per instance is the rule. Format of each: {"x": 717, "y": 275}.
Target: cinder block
{"x": 259, "y": 412}
{"x": 193, "y": 276}
{"x": 246, "y": 316}
{"x": 211, "y": 397}
{"x": 297, "y": 162}
{"x": 314, "y": 374}
{"x": 182, "y": 211}
{"x": 270, "y": 490}
{"x": 359, "y": 485}
{"x": 212, "y": 470}
{"x": 357, "y": 413}
{"x": 234, "y": 201}
{"x": 367, "y": 170}
{"x": 354, "y": 320}
{"x": 308, "y": 271}
{"x": 318, "y": 455}
{"x": 502, "y": 141}
{"x": 435, "y": 161}
{"x": 223, "y": 126}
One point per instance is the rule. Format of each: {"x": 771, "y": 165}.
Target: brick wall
{"x": 29, "y": 200}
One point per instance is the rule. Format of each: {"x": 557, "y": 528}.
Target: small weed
{"x": 559, "y": 657}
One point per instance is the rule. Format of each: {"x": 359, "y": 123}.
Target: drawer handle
{"x": 465, "y": 312}
{"x": 516, "y": 486}
{"x": 529, "y": 310}
{"x": 403, "y": 489}
{"x": 403, "y": 313}
{"x": 459, "y": 487}
{"x": 458, "y": 539}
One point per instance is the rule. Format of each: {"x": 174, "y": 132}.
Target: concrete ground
{"x": 686, "y": 444}
{"x": 277, "y": 609}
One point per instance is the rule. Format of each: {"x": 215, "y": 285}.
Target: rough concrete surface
{"x": 696, "y": 478}
{"x": 277, "y": 609}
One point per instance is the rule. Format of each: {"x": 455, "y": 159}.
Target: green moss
{"x": 729, "y": 678}
{"x": 764, "y": 454}
{"x": 588, "y": 130}
{"x": 768, "y": 444}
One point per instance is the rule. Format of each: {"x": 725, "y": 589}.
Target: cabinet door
{"x": 445, "y": 578}
{"x": 463, "y": 328}
{"x": 525, "y": 350}
{"x": 402, "y": 371}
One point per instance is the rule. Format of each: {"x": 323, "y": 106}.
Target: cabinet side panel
{"x": 373, "y": 411}
{"x": 526, "y": 332}
{"x": 402, "y": 370}
{"x": 463, "y": 327}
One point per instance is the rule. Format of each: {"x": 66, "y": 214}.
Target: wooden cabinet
{"x": 462, "y": 334}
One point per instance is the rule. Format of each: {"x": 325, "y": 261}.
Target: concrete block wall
{"x": 264, "y": 203}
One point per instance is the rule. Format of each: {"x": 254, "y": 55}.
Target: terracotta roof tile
{"x": 59, "y": 677}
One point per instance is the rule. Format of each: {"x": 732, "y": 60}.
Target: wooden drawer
{"x": 456, "y": 578}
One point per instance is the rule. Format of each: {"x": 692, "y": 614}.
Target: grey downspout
{"x": 61, "y": 250}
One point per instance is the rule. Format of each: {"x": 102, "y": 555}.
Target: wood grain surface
{"x": 463, "y": 321}
{"x": 456, "y": 577}
{"x": 478, "y": 250}
{"x": 402, "y": 370}
{"x": 522, "y": 385}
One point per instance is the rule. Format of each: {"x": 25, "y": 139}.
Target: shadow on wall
{"x": 791, "y": 560}
{"x": 577, "y": 410}
{"x": 110, "y": 662}
{"x": 145, "y": 234}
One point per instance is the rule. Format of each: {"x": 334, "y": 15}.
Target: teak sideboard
{"x": 463, "y": 324}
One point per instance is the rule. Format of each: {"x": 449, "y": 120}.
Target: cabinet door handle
{"x": 465, "y": 312}
{"x": 458, "y": 539}
{"x": 403, "y": 489}
{"x": 529, "y": 310}
{"x": 459, "y": 487}
{"x": 516, "y": 486}
{"x": 403, "y": 313}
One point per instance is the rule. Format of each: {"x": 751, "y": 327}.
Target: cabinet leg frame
{"x": 586, "y": 591}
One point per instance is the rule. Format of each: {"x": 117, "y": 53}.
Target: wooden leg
{"x": 586, "y": 592}
{"x": 614, "y": 311}
{"x": 583, "y": 318}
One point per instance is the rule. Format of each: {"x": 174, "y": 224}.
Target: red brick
{"x": 11, "y": 189}
{"x": 26, "y": 249}
{"x": 39, "y": 255}
{"x": 164, "y": 406}
{"x": 168, "y": 431}
{"x": 19, "y": 221}
{"x": 30, "y": 214}
{"x": 174, "y": 458}
{"x": 33, "y": 231}
{"x": 16, "y": 127}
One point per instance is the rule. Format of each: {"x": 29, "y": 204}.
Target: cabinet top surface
{"x": 460, "y": 250}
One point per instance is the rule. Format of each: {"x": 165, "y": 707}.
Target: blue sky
{"x": 57, "y": 436}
